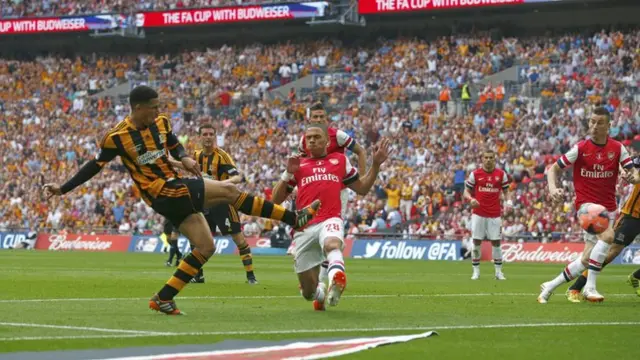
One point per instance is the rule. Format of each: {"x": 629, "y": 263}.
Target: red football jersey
{"x": 323, "y": 179}
{"x": 487, "y": 188}
{"x": 338, "y": 141}
{"x": 595, "y": 171}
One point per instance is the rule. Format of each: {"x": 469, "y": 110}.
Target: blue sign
{"x": 153, "y": 244}
{"x": 406, "y": 250}
{"x": 11, "y": 239}
{"x": 629, "y": 255}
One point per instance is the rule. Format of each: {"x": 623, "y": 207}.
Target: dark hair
{"x": 205, "y": 126}
{"x": 317, "y": 106}
{"x": 142, "y": 95}
{"x": 602, "y": 111}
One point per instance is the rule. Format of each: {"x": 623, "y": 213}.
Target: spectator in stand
{"x": 385, "y": 89}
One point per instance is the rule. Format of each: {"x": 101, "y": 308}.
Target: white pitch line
{"x": 364, "y": 296}
{"x": 83, "y": 328}
{"x": 319, "y": 331}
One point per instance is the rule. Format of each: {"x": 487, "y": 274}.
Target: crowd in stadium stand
{"x": 27, "y": 8}
{"x": 392, "y": 88}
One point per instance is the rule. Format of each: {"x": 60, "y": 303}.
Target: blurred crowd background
{"x": 430, "y": 97}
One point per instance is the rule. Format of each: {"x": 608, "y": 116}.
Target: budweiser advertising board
{"x": 392, "y": 6}
{"x": 535, "y": 252}
{"x": 82, "y": 242}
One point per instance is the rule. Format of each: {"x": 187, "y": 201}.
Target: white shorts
{"x": 344, "y": 201}
{"x": 483, "y": 228}
{"x": 593, "y": 238}
{"x": 309, "y": 243}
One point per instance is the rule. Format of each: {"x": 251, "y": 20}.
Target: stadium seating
{"x": 391, "y": 88}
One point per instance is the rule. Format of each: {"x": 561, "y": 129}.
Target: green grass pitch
{"x": 99, "y": 300}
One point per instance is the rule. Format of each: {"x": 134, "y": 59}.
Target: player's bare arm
{"x": 362, "y": 158}
{"x": 176, "y": 164}
{"x": 469, "y": 198}
{"x": 632, "y": 176}
{"x": 508, "y": 197}
{"x": 363, "y": 185}
{"x": 282, "y": 189}
{"x": 557, "y": 193}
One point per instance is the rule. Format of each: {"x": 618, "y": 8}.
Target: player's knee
{"x": 331, "y": 244}
{"x": 207, "y": 248}
{"x": 231, "y": 192}
{"x": 607, "y": 236}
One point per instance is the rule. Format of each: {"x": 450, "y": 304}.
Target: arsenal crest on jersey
{"x": 611, "y": 155}
{"x": 334, "y": 161}
{"x": 497, "y": 178}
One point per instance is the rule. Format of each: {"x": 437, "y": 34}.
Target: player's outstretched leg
{"x": 475, "y": 258}
{"x": 574, "y": 293}
{"x": 311, "y": 288}
{"x": 569, "y": 273}
{"x": 217, "y": 192}
{"x": 496, "y": 252}
{"x": 336, "y": 269}
{"x": 195, "y": 228}
{"x": 245, "y": 255}
{"x": 634, "y": 281}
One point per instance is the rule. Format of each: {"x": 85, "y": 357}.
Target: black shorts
{"x": 626, "y": 228}
{"x": 225, "y": 218}
{"x": 176, "y": 209}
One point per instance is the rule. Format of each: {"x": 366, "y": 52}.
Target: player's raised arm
{"x": 362, "y": 157}
{"x": 287, "y": 182}
{"x": 362, "y": 185}
{"x": 108, "y": 152}
{"x": 347, "y": 142}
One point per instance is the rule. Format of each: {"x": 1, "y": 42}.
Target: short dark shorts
{"x": 177, "y": 208}
{"x": 626, "y": 228}
{"x": 224, "y": 217}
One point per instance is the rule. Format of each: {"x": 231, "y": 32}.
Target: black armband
{"x": 178, "y": 152}
{"x": 88, "y": 170}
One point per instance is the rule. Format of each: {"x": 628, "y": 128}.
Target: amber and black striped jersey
{"x": 144, "y": 154}
{"x": 632, "y": 205}
{"x": 218, "y": 165}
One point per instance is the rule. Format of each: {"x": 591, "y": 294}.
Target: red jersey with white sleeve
{"x": 486, "y": 187}
{"x": 595, "y": 171}
{"x": 323, "y": 179}
{"x": 338, "y": 141}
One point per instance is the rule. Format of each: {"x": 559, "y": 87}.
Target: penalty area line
{"x": 248, "y": 297}
{"x": 320, "y": 331}
{"x": 83, "y": 328}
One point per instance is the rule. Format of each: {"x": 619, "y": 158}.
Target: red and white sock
{"x": 570, "y": 272}
{"x": 598, "y": 255}
{"x": 324, "y": 272}
{"x": 336, "y": 263}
